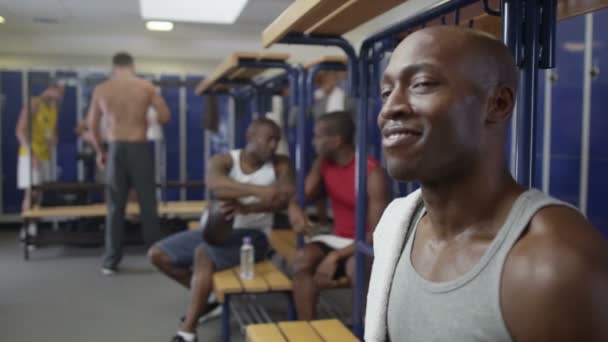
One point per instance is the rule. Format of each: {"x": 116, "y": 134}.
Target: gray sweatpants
{"x": 129, "y": 164}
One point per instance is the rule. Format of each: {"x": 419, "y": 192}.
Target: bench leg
{"x": 226, "y": 319}
{"x": 26, "y": 241}
{"x": 292, "y": 315}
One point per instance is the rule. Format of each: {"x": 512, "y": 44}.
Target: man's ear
{"x": 500, "y": 104}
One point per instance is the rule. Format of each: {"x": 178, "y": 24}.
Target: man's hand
{"x": 231, "y": 208}
{"x": 269, "y": 194}
{"x": 298, "y": 219}
{"x": 101, "y": 160}
{"x": 327, "y": 270}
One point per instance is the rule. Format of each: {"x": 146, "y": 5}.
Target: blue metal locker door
{"x": 12, "y": 89}
{"x": 219, "y": 139}
{"x": 567, "y": 107}
{"x": 195, "y": 152}
{"x": 597, "y": 208}
{"x": 67, "y": 148}
{"x": 242, "y": 120}
{"x": 172, "y": 134}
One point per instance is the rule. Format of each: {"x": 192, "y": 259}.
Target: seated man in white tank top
{"x": 472, "y": 255}
{"x": 252, "y": 184}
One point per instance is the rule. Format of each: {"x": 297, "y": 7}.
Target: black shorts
{"x": 341, "y": 268}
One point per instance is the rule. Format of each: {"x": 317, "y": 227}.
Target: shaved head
{"x": 448, "y": 95}
{"x": 481, "y": 56}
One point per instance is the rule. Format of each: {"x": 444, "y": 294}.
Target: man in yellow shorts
{"x": 36, "y": 143}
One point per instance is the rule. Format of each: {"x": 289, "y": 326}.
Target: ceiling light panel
{"x": 197, "y": 11}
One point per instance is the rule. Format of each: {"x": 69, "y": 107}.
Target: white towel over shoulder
{"x": 389, "y": 238}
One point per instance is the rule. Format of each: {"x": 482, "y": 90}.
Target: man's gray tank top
{"x": 465, "y": 309}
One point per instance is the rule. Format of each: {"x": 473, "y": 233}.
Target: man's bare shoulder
{"x": 562, "y": 237}
{"x": 281, "y": 161}
{"x": 222, "y": 159}
{"x": 102, "y": 87}
{"x": 554, "y": 272}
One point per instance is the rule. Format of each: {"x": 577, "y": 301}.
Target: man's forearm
{"x": 22, "y": 138}
{"x": 265, "y": 206}
{"x": 96, "y": 142}
{"x": 345, "y": 252}
{"x": 228, "y": 189}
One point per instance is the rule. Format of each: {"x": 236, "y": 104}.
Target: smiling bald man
{"x": 472, "y": 255}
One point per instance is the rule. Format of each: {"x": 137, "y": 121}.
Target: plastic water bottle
{"x": 247, "y": 259}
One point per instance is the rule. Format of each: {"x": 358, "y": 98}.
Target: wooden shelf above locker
{"x": 229, "y": 69}
{"x": 330, "y": 17}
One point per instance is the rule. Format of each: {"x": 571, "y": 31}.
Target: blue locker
{"x": 566, "y": 114}
{"x": 67, "y": 148}
{"x": 196, "y": 139}
{"x": 38, "y": 81}
{"x": 243, "y": 114}
{"x": 11, "y": 86}
{"x": 172, "y": 135}
{"x": 219, "y": 140}
{"x": 597, "y": 208}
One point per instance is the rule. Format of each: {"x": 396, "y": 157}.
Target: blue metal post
{"x": 361, "y": 192}
{"x": 226, "y": 319}
{"x": 301, "y": 149}
{"x": 511, "y": 27}
{"x": 527, "y": 110}
{"x": 340, "y": 42}
{"x": 292, "y": 315}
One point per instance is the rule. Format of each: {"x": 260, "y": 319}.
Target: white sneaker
{"x": 32, "y": 229}
{"x": 211, "y": 314}
{"x": 107, "y": 271}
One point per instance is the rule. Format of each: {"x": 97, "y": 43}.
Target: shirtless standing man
{"x": 124, "y": 99}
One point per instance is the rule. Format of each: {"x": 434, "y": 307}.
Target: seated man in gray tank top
{"x": 252, "y": 184}
{"x": 472, "y": 255}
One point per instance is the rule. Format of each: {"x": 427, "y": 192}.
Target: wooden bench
{"x": 268, "y": 279}
{"x": 284, "y": 243}
{"x": 300, "y": 331}
{"x": 172, "y": 208}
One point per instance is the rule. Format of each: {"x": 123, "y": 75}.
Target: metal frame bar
{"x": 586, "y": 115}
{"x": 546, "y": 179}
{"x": 254, "y": 312}
{"x": 183, "y": 139}
{"x": 2, "y": 115}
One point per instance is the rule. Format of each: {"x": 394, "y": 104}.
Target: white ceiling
{"x": 101, "y": 27}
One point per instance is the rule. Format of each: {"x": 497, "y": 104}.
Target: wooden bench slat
{"x": 275, "y": 279}
{"x": 288, "y": 236}
{"x": 333, "y": 330}
{"x": 226, "y": 282}
{"x": 299, "y": 331}
{"x": 264, "y": 333}
{"x": 284, "y": 243}
{"x": 257, "y": 284}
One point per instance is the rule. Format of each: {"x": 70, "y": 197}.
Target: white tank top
{"x": 265, "y": 175}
